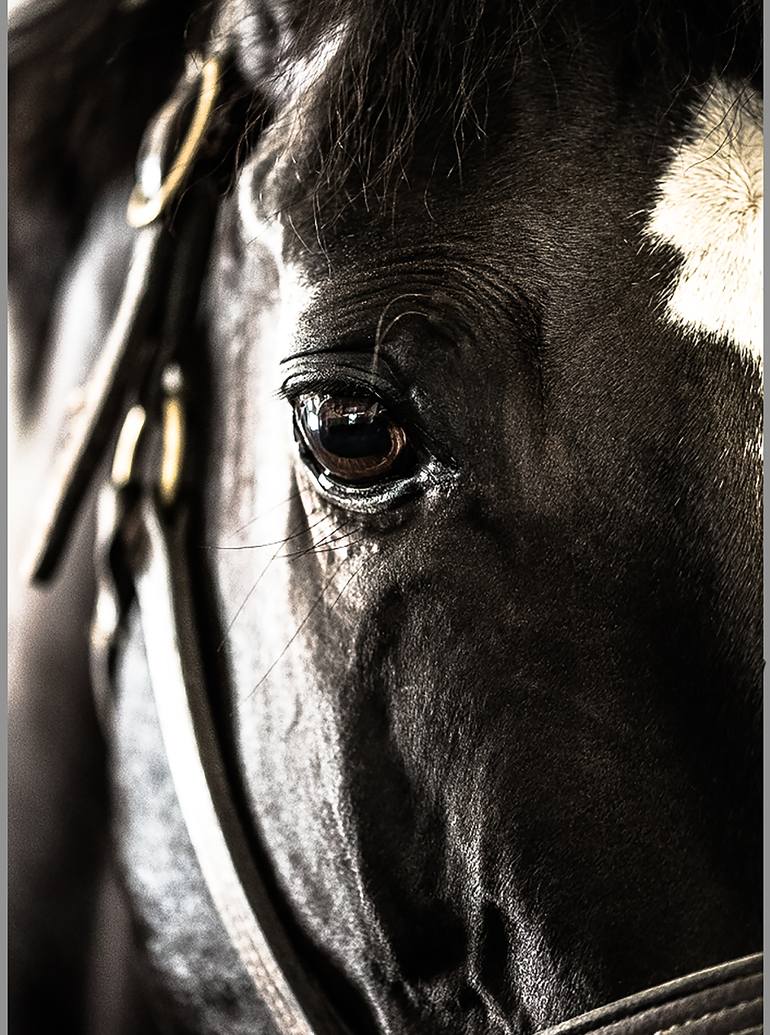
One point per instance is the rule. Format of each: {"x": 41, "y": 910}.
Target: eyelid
{"x": 344, "y": 371}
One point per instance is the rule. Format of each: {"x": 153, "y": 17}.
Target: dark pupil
{"x": 355, "y": 435}
{"x": 355, "y": 440}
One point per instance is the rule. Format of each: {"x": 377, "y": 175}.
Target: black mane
{"x": 417, "y": 81}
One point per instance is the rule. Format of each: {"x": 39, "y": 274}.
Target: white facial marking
{"x": 295, "y": 293}
{"x": 709, "y": 208}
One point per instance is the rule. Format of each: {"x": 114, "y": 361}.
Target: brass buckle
{"x": 144, "y": 206}
{"x": 173, "y": 440}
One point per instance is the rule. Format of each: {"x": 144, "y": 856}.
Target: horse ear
{"x": 84, "y": 79}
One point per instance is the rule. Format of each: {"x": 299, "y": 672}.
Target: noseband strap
{"x": 724, "y": 1000}
{"x": 143, "y": 559}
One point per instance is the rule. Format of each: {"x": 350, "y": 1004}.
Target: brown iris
{"x": 352, "y": 439}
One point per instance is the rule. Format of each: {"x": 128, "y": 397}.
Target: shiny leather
{"x": 723, "y": 1000}
{"x": 167, "y": 611}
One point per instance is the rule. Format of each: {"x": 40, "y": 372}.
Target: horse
{"x": 453, "y": 364}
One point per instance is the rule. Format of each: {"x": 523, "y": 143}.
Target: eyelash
{"x": 294, "y": 388}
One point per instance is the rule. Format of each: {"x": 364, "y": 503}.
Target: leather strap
{"x": 147, "y": 325}
{"x": 724, "y": 1000}
{"x": 124, "y": 360}
{"x": 169, "y": 628}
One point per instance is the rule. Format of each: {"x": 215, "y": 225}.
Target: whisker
{"x": 333, "y": 549}
{"x": 250, "y": 593}
{"x": 299, "y": 628}
{"x": 323, "y": 545}
{"x": 328, "y": 536}
{"x": 246, "y": 599}
{"x": 337, "y": 598}
{"x": 275, "y": 542}
{"x": 264, "y": 513}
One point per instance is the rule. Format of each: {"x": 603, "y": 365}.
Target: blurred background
{"x": 70, "y": 947}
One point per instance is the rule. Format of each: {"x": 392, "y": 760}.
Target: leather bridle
{"x": 138, "y": 385}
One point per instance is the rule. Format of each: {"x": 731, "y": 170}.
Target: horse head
{"x": 477, "y": 394}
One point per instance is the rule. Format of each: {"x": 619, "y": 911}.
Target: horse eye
{"x": 353, "y": 439}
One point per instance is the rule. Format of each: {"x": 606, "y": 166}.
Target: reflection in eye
{"x": 352, "y": 439}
